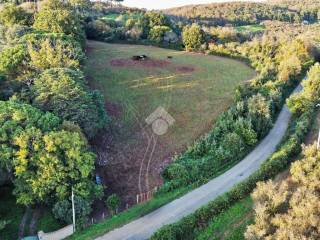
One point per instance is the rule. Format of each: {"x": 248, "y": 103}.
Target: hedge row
{"x": 186, "y": 228}
{"x": 234, "y": 135}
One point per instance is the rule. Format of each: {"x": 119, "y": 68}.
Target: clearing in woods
{"x": 193, "y": 88}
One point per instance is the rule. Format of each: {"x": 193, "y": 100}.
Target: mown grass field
{"x": 251, "y": 28}
{"x": 193, "y": 88}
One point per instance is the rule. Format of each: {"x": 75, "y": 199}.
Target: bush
{"x": 13, "y": 15}
{"x": 112, "y": 203}
{"x": 13, "y": 62}
{"x": 98, "y": 30}
{"x": 63, "y": 211}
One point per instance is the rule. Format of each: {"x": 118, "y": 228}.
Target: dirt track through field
{"x": 144, "y": 227}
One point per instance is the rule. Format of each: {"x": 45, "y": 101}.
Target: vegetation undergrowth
{"x": 127, "y": 216}
{"x": 231, "y": 224}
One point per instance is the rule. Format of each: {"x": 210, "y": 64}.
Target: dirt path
{"x": 144, "y": 227}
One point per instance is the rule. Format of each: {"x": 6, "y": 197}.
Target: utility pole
{"x": 318, "y": 143}
{"x": 73, "y": 212}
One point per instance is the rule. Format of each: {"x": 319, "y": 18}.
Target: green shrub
{"x": 63, "y": 210}
{"x": 112, "y": 203}
{"x": 98, "y": 30}
{"x": 11, "y": 15}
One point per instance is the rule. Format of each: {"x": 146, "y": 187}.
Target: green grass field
{"x": 251, "y": 28}
{"x": 231, "y": 224}
{"x": 193, "y": 88}
{"x": 121, "y": 17}
{"x": 194, "y": 95}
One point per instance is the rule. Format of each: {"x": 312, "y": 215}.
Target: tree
{"x": 192, "y": 37}
{"x": 52, "y": 51}
{"x": 300, "y": 102}
{"x": 260, "y": 114}
{"x": 63, "y": 92}
{"x": 13, "y": 62}
{"x": 13, "y": 15}
{"x": 57, "y": 16}
{"x": 113, "y": 202}
{"x": 44, "y": 158}
{"x": 156, "y": 19}
{"x": 157, "y": 33}
{"x": 62, "y": 210}
{"x": 98, "y": 30}
{"x": 290, "y": 209}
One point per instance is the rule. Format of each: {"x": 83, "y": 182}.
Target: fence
{"x": 144, "y": 197}
{"x": 68, "y": 230}
{"x": 57, "y": 235}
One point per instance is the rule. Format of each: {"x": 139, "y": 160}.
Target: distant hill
{"x": 241, "y": 13}
{"x": 297, "y": 4}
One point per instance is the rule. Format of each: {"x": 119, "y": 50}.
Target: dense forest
{"x": 243, "y": 13}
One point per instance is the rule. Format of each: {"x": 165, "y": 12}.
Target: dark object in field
{"x": 170, "y": 57}
{"x": 139, "y": 57}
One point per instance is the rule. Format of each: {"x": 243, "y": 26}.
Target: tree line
{"x": 47, "y": 111}
{"x": 237, "y": 13}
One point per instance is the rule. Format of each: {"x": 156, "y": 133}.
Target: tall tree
{"x": 45, "y": 159}
{"x": 192, "y": 37}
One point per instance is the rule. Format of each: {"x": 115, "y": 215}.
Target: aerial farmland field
{"x": 193, "y": 88}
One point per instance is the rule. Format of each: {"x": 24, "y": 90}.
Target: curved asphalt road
{"x": 144, "y": 227}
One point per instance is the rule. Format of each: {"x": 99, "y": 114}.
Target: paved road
{"x": 144, "y": 227}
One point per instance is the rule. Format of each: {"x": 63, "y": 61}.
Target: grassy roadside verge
{"x": 137, "y": 211}
{"x": 230, "y": 224}
{"x": 131, "y": 214}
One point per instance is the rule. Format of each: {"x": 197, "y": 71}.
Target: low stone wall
{"x": 57, "y": 235}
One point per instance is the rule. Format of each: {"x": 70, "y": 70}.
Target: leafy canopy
{"x": 14, "y": 15}
{"x": 44, "y": 158}
{"x": 63, "y": 92}
{"x": 58, "y": 16}
{"x": 192, "y": 37}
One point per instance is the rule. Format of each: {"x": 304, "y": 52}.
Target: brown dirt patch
{"x": 141, "y": 156}
{"x": 149, "y": 63}
{"x": 185, "y": 69}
